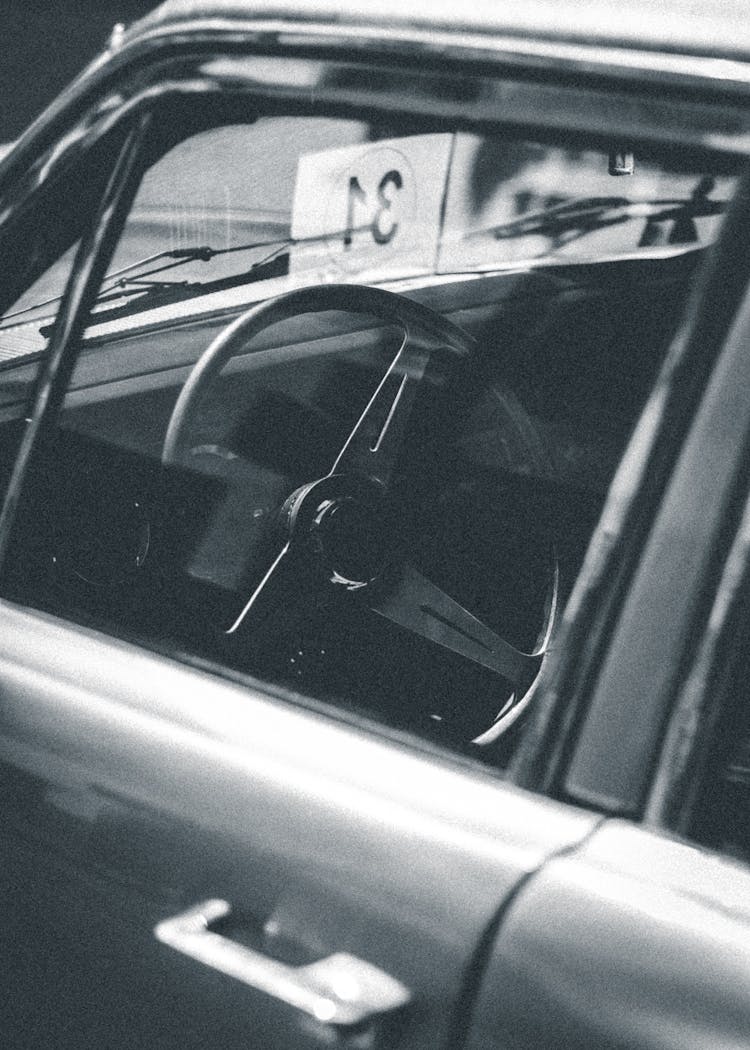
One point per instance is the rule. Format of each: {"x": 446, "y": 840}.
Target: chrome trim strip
{"x": 554, "y": 56}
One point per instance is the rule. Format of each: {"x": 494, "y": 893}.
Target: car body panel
{"x": 135, "y": 787}
{"x": 636, "y": 941}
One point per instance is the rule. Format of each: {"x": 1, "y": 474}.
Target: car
{"x": 374, "y": 543}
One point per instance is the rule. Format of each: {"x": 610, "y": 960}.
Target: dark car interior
{"x": 500, "y": 478}
{"x": 510, "y": 470}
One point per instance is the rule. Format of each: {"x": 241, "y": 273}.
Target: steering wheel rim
{"x": 464, "y": 633}
{"x": 353, "y": 298}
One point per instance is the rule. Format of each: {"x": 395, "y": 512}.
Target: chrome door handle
{"x": 338, "y": 990}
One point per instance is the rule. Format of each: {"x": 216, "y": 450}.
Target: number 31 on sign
{"x": 370, "y": 210}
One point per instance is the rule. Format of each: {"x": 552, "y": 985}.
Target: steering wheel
{"x": 341, "y": 532}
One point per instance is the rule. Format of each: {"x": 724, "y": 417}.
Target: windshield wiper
{"x": 569, "y": 220}
{"x": 132, "y": 280}
{"x": 562, "y": 223}
{"x": 180, "y": 256}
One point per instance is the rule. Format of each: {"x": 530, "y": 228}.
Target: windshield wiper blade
{"x": 124, "y": 282}
{"x": 181, "y": 255}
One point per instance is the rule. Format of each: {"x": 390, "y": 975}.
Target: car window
{"x": 376, "y": 489}
{"x": 311, "y": 199}
{"x": 25, "y": 327}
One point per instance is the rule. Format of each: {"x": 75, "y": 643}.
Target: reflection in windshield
{"x": 511, "y": 202}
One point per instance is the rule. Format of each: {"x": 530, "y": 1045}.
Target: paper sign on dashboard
{"x": 372, "y": 210}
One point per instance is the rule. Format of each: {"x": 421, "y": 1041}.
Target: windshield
{"x": 243, "y": 211}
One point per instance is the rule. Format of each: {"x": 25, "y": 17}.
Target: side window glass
{"x": 350, "y": 497}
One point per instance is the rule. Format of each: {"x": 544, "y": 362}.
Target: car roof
{"x": 711, "y": 28}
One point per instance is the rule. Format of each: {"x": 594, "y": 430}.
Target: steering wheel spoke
{"x": 419, "y": 606}
{"x": 285, "y": 590}
{"x": 374, "y": 444}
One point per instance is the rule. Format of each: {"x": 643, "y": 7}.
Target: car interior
{"x": 375, "y": 507}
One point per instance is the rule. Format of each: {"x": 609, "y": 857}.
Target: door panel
{"x": 633, "y": 941}
{"x": 133, "y": 787}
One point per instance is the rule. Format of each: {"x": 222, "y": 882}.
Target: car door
{"x": 137, "y": 792}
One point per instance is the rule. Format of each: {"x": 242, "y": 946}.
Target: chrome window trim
{"x": 550, "y": 56}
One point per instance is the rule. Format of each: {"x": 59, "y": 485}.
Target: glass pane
{"x": 511, "y": 202}
{"x": 359, "y": 504}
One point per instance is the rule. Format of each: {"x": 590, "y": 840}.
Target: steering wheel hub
{"x": 348, "y": 521}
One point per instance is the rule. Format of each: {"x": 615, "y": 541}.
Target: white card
{"x": 370, "y": 211}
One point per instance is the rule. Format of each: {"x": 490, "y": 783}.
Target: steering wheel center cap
{"x": 347, "y": 518}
